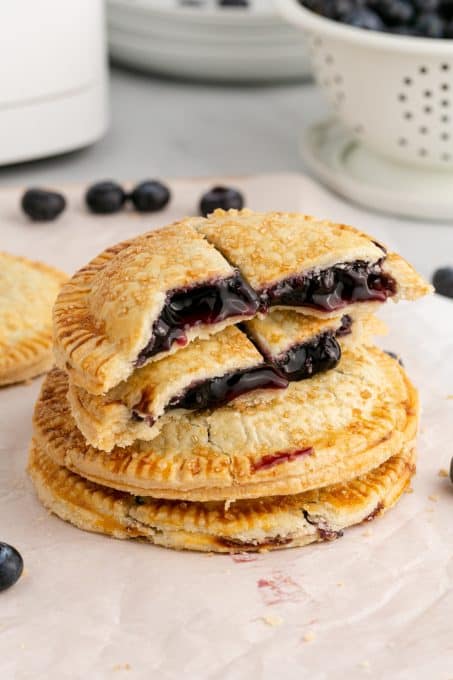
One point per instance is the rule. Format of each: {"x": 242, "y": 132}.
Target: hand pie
{"x": 245, "y": 526}
{"x": 204, "y": 375}
{"x": 27, "y": 292}
{"x": 301, "y": 346}
{"x": 314, "y": 267}
{"x": 336, "y": 426}
{"x": 212, "y": 372}
{"x": 142, "y": 300}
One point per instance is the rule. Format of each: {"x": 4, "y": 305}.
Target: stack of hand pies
{"x": 217, "y": 388}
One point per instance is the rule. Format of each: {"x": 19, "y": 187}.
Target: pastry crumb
{"x": 442, "y": 472}
{"x": 364, "y": 664}
{"x": 309, "y": 636}
{"x": 433, "y": 498}
{"x": 408, "y": 489}
{"x": 368, "y": 532}
{"x": 450, "y": 396}
{"x": 340, "y": 584}
{"x": 273, "y": 621}
{"x": 121, "y": 667}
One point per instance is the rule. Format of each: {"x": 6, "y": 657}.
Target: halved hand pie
{"x": 142, "y": 300}
{"x": 204, "y": 375}
{"x": 315, "y": 267}
{"x": 301, "y": 346}
{"x": 146, "y": 298}
{"x": 27, "y": 292}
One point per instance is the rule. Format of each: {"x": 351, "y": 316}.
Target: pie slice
{"x": 27, "y": 293}
{"x": 332, "y": 428}
{"x": 244, "y": 526}
{"x": 142, "y": 300}
{"x": 312, "y": 266}
{"x": 301, "y": 346}
{"x": 204, "y": 375}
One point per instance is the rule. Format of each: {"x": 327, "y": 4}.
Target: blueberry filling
{"x": 345, "y": 328}
{"x": 207, "y": 304}
{"x": 332, "y": 288}
{"x": 274, "y": 459}
{"x": 219, "y": 391}
{"x": 305, "y": 360}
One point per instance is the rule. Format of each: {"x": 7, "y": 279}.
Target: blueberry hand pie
{"x": 329, "y": 429}
{"x": 315, "y": 267}
{"x": 218, "y": 389}
{"x": 204, "y": 375}
{"x": 27, "y": 292}
{"x": 246, "y": 526}
{"x": 300, "y": 346}
{"x": 142, "y": 300}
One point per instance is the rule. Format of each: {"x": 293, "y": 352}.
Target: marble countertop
{"x": 164, "y": 128}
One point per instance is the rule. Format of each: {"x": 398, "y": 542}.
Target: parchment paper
{"x": 377, "y": 603}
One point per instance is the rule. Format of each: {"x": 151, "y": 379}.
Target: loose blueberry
{"x": 41, "y": 205}
{"x": 233, "y": 3}
{"x": 221, "y": 197}
{"x": 394, "y": 356}
{"x": 150, "y": 196}
{"x": 105, "y": 198}
{"x": 11, "y": 566}
{"x": 443, "y": 281}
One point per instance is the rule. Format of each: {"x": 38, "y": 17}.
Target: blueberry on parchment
{"x": 11, "y": 566}
{"x": 41, "y": 205}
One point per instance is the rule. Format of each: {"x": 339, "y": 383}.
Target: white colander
{"x": 395, "y": 93}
